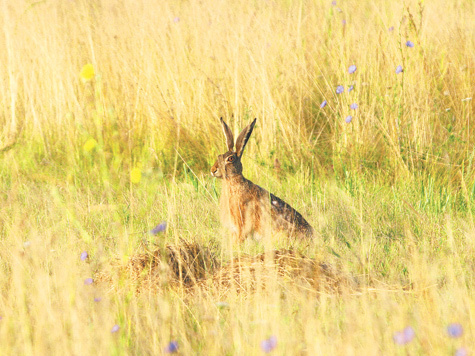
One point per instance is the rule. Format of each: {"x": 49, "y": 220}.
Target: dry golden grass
{"x": 109, "y": 123}
{"x": 164, "y": 73}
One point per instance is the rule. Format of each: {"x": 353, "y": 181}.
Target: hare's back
{"x": 286, "y": 217}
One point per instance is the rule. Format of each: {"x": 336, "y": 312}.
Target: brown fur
{"x": 246, "y": 208}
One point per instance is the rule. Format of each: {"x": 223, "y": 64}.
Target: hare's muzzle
{"x": 215, "y": 172}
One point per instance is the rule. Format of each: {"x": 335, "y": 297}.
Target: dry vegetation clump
{"x": 246, "y": 273}
{"x": 182, "y": 264}
{"x": 188, "y": 264}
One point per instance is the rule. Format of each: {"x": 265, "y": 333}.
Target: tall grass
{"x": 166, "y": 71}
{"x": 94, "y": 164}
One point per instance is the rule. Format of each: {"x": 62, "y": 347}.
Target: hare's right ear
{"x": 228, "y": 134}
{"x": 244, "y": 137}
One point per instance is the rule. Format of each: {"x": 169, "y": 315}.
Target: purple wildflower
{"x": 352, "y": 69}
{"x": 343, "y": 22}
{"x": 410, "y": 44}
{"x": 159, "y": 228}
{"x": 348, "y": 119}
{"x": 171, "y": 348}
{"x": 84, "y": 256}
{"x": 97, "y": 299}
{"x": 323, "y": 104}
{"x": 269, "y": 344}
{"x": 340, "y": 89}
{"x": 176, "y": 19}
{"x": 354, "y": 106}
{"x": 333, "y": 3}
{"x": 391, "y": 29}
{"x": 409, "y": 333}
{"x": 88, "y": 281}
{"x": 350, "y": 88}
{"x": 461, "y": 352}
{"x": 399, "y": 69}
{"x": 115, "y": 328}
{"x": 455, "y": 330}
{"x": 398, "y": 338}
{"x": 404, "y": 337}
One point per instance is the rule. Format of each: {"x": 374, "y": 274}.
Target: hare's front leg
{"x": 237, "y": 234}
{"x": 234, "y": 225}
{"x": 240, "y": 236}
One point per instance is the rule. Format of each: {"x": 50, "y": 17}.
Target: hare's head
{"x": 229, "y": 164}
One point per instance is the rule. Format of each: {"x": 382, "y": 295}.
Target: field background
{"x": 109, "y": 123}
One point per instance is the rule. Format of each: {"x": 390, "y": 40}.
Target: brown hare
{"x": 246, "y": 208}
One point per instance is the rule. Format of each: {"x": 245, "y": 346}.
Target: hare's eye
{"x": 230, "y": 158}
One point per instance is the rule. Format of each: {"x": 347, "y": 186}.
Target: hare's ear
{"x": 228, "y": 134}
{"x": 243, "y": 138}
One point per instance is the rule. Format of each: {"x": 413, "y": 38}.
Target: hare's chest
{"x": 232, "y": 205}
{"x": 235, "y": 210}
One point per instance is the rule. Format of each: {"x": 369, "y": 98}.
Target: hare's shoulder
{"x": 249, "y": 188}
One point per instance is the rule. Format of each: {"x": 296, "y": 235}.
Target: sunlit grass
{"x": 109, "y": 117}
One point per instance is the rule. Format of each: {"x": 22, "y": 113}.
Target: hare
{"x": 246, "y": 208}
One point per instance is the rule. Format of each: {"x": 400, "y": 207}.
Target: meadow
{"x": 110, "y": 239}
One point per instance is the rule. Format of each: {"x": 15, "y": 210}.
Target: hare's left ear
{"x": 243, "y": 138}
{"x": 228, "y": 134}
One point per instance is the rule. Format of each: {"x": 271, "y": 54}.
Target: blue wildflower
{"x": 455, "y": 330}
{"x": 115, "y": 328}
{"x": 350, "y": 88}
{"x": 269, "y": 344}
{"x": 171, "y": 348}
{"x": 159, "y": 228}
{"x": 399, "y": 69}
{"x": 354, "y": 106}
{"x": 404, "y": 337}
{"x": 84, "y": 256}
{"x": 391, "y": 29}
{"x": 323, "y": 104}
{"x": 352, "y": 69}
{"x": 88, "y": 281}
{"x": 340, "y": 89}
{"x": 410, "y": 44}
{"x": 348, "y": 119}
